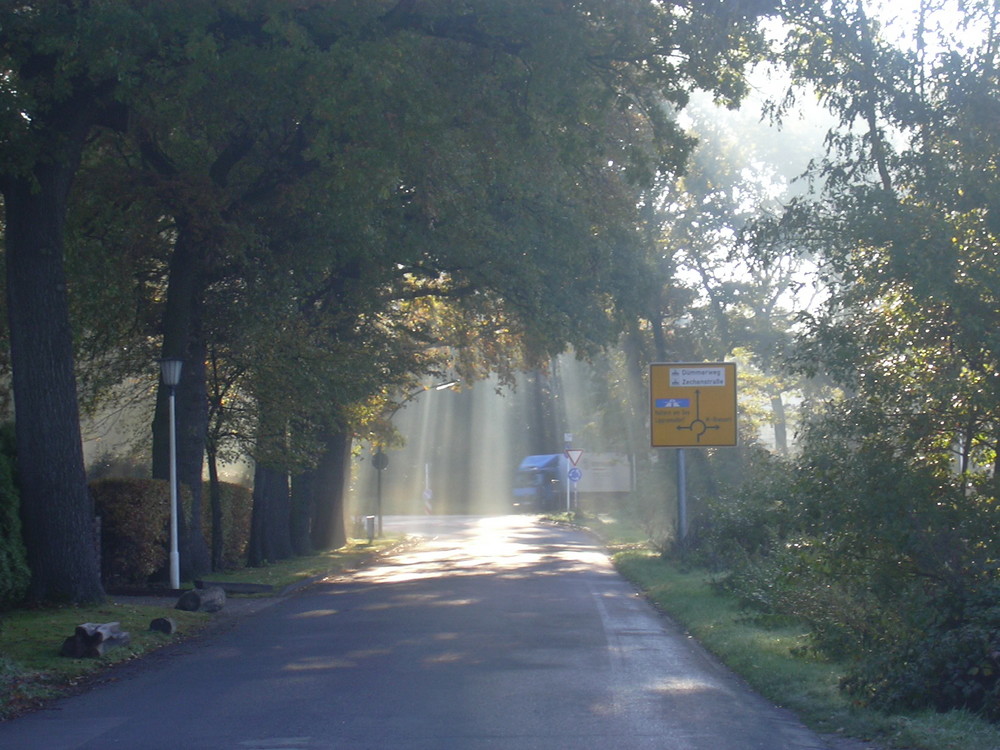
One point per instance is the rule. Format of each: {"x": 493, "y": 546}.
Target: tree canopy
{"x": 367, "y": 193}
{"x": 320, "y": 205}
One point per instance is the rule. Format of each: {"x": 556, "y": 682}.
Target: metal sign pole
{"x": 175, "y": 557}
{"x": 568, "y": 506}
{"x": 380, "y": 461}
{"x": 681, "y": 496}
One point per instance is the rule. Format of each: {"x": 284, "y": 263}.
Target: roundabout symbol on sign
{"x": 575, "y": 475}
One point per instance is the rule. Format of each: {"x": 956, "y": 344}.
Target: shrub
{"x": 109, "y": 464}
{"x": 135, "y": 517}
{"x": 950, "y": 659}
{"x": 886, "y": 556}
{"x": 747, "y": 520}
{"x": 14, "y": 572}
{"x": 647, "y": 506}
{"x": 802, "y": 582}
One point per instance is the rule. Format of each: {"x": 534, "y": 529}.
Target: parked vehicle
{"x": 540, "y": 480}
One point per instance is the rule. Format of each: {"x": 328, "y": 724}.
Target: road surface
{"x": 489, "y": 633}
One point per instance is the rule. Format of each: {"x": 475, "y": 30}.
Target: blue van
{"x": 538, "y": 483}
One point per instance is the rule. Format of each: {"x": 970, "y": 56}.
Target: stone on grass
{"x": 211, "y": 599}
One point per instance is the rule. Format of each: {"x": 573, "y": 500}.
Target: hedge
{"x": 135, "y": 520}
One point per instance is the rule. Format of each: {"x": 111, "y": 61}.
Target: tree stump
{"x": 92, "y": 640}
{"x": 211, "y": 599}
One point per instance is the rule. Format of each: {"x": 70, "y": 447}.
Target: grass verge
{"x": 32, "y": 671}
{"x": 774, "y": 661}
{"x": 281, "y": 575}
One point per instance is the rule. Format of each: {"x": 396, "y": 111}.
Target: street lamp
{"x": 170, "y": 371}
{"x": 381, "y": 462}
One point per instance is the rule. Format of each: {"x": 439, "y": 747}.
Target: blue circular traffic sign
{"x": 575, "y": 475}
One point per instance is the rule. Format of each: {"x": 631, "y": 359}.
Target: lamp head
{"x": 170, "y": 371}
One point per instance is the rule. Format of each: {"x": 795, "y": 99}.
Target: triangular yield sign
{"x": 573, "y": 456}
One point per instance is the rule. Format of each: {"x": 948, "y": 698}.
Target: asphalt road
{"x": 490, "y": 633}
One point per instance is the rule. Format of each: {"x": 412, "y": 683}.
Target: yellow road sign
{"x": 692, "y": 405}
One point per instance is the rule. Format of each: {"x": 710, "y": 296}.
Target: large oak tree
{"x": 61, "y": 65}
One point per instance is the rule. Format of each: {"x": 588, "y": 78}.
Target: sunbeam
{"x": 463, "y": 447}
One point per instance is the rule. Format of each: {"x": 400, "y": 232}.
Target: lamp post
{"x": 170, "y": 371}
{"x": 381, "y": 462}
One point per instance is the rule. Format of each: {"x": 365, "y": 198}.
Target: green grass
{"x": 31, "y": 668}
{"x": 290, "y": 572}
{"x": 774, "y": 661}
{"x": 32, "y": 671}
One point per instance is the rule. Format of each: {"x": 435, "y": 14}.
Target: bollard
{"x": 370, "y": 528}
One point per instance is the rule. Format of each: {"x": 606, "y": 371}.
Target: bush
{"x": 801, "y": 582}
{"x": 14, "y": 572}
{"x": 110, "y": 464}
{"x": 885, "y": 555}
{"x": 951, "y": 662}
{"x": 237, "y": 508}
{"x": 749, "y": 520}
{"x": 135, "y": 518}
{"x": 649, "y": 509}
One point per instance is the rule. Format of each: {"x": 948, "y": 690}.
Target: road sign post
{"x": 574, "y": 475}
{"x": 574, "y": 456}
{"x": 692, "y": 405}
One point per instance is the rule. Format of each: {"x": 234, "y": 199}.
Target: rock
{"x": 211, "y": 599}
{"x": 236, "y": 588}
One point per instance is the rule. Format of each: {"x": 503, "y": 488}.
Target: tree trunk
{"x": 637, "y": 364}
{"x": 56, "y": 508}
{"x": 303, "y": 490}
{"x": 328, "y": 528}
{"x": 182, "y": 339}
{"x": 270, "y": 528}
{"x": 780, "y": 422}
{"x": 542, "y": 437}
{"x": 215, "y": 495}
{"x": 192, "y": 434}
{"x": 270, "y": 524}
{"x": 996, "y": 467}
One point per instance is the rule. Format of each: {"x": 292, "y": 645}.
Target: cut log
{"x": 92, "y": 640}
{"x": 202, "y": 600}
{"x": 164, "y": 625}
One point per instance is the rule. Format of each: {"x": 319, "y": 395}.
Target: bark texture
{"x": 56, "y": 508}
